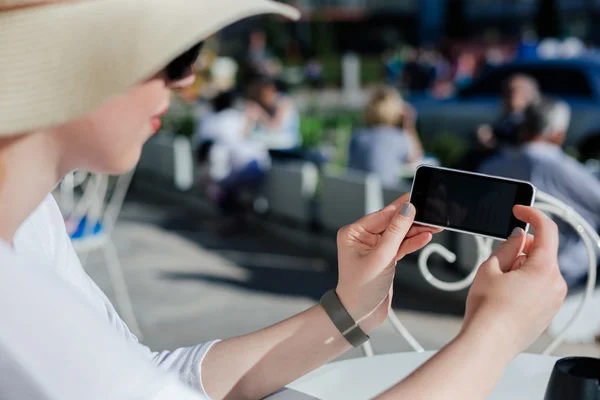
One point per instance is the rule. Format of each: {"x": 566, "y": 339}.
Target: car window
{"x": 554, "y": 81}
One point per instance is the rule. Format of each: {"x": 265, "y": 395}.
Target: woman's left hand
{"x": 368, "y": 251}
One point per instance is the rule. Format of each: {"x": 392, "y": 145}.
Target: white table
{"x": 364, "y": 378}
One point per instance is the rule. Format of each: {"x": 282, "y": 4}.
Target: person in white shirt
{"x": 236, "y": 161}
{"x": 274, "y": 116}
{"x": 107, "y": 72}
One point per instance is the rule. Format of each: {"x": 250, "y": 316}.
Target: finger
{"x": 518, "y": 263}
{"x": 546, "y": 232}
{"x": 418, "y": 229}
{"x": 508, "y": 251}
{"x": 413, "y": 244}
{"x": 361, "y": 236}
{"x": 529, "y": 240}
{"x": 400, "y": 200}
{"x": 395, "y": 233}
{"x": 378, "y": 222}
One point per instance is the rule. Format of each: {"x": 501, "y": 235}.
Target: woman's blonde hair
{"x": 385, "y": 107}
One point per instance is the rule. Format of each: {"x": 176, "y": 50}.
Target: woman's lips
{"x": 156, "y": 120}
{"x": 156, "y": 124}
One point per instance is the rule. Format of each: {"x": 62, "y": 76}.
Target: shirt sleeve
{"x": 54, "y": 345}
{"x": 185, "y": 362}
{"x": 578, "y": 186}
{"x": 406, "y": 148}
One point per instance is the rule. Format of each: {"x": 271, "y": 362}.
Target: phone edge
{"x": 533, "y": 187}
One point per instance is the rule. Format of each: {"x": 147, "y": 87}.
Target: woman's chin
{"x": 123, "y": 164}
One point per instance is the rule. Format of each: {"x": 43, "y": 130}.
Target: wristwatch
{"x": 342, "y": 319}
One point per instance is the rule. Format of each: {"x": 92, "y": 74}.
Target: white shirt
{"x": 231, "y": 151}
{"x": 61, "y": 338}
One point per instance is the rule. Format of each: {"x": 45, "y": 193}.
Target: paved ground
{"x": 188, "y": 285}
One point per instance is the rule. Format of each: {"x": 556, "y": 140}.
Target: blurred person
{"x": 237, "y": 163}
{"x": 518, "y": 92}
{"x": 271, "y": 112}
{"x": 493, "y": 57}
{"x": 539, "y": 158}
{"x": 259, "y": 58}
{"x": 224, "y": 120}
{"x": 417, "y": 74}
{"x": 62, "y": 339}
{"x": 389, "y": 140}
{"x": 314, "y": 73}
{"x": 466, "y": 68}
{"x": 394, "y": 65}
{"x": 528, "y": 45}
{"x": 443, "y": 68}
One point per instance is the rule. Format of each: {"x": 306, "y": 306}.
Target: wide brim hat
{"x": 60, "y": 60}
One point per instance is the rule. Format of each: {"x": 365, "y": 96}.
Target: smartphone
{"x": 471, "y": 203}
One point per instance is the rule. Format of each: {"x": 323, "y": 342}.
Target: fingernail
{"x": 406, "y": 210}
{"x": 517, "y": 232}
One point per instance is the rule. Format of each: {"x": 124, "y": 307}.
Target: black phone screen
{"x": 468, "y": 202}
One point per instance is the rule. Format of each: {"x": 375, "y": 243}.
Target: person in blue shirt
{"x": 389, "y": 139}
{"x": 539, "y": 158}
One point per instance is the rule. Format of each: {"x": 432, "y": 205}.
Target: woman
{"x": 273, "y": 113}
{"x": 83, "y": 86}
{"x": 390, "y": 139}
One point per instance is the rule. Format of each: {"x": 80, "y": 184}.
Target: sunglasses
{"x": 182, "y": 66}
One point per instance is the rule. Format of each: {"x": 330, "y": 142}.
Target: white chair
{"x": 90, "y": 222}
{"x": 347, "y": 197}
{"x": 289, "y": 190}
{"x": 547, "y": 204}
{"x": 169, "y": 158}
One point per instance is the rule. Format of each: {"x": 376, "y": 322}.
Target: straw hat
{"x": 61, "y": 59}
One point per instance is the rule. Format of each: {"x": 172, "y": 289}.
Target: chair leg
{"x": 367, "y": 349}
{"x": 401, "y": 329}
{"x": 83, "y": 256}
{"x": 115, "y": 271}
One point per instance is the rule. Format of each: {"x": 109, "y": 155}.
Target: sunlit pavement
{"x": 189, "y": 285}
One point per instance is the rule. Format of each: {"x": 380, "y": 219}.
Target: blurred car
{"x": 576, "y": 81}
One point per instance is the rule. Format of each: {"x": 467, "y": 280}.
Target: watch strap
{"x": 342, "y": 320}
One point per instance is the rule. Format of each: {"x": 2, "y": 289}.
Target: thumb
{"x": 396, "y": 231}
{"x": 510, "y": 250}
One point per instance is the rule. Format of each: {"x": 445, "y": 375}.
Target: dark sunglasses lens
{"x": 180, "y": 67}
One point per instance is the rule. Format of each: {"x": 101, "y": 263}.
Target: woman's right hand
{"x": 519, "y": 289}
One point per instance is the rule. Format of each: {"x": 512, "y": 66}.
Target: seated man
{"x": 538, "y": 158}
{"x": 518, "y": 92}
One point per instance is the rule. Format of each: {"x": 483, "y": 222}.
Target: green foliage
{"x": 311, "y": 131}
{"x": 180, "y": 119}
{"x": 318, "y": 128}
{"x": 371, "y": 70}
{"x": 447, "y": 147}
